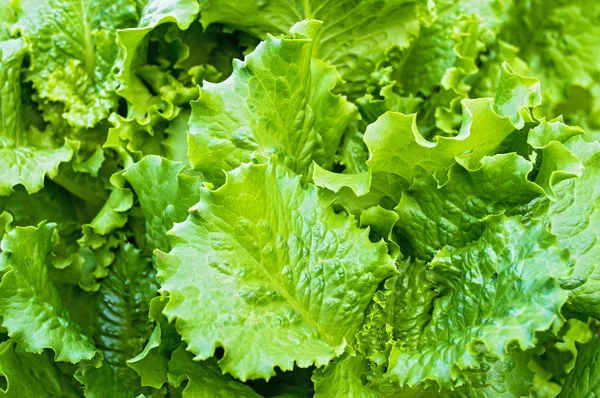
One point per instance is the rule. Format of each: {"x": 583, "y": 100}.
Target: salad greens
{"x": 278, "y": 198}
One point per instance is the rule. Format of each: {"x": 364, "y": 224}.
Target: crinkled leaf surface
{"x": 583, "y": 380}
{"x": 399, "y": 153}
{"x": 32, "y": 375}
{"x": 500, "y": 289}
{"x": 121, "y": 324}
{"x": 12, "y": 52}
{"x": 399, "y": 313}
{"x": 169, "y": 203}
{"x": 450, "y": 249}
{"x": 432, "y": 216}
{"x": 135, "y": 42}
{"x": 343, "y": 378}
{"x": 20, "y": 163}
{"x": 30, "y": 305}
{"x": 273, "y": 268}
{"x": 231, "y": 120}
{"x": 28, "y": 166}
{"x": 574, "y": 219}
{"x": 558, "y": 48}
{"x": 73, "y": 50}
{"x": 352, "y": 43}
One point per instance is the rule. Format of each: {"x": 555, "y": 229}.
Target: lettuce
{"x": 353, "y": 198}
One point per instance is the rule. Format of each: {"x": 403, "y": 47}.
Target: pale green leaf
{"x": 359, "y": 183}
{"x": 278, "y": 101}
{"x": 73, "y": 49}
{"x": 205, "y": 379}
{"x": 21, "y": 163}
{"x": 498, "y": 290}
{"x": 349, "y": 41}
{"x": 344, "y": 377}
{"x": 574, "y": 218}
{"x": 30, "y": 305}
{"x": 583, "y": 380}
{"x": 515, "y": 95}
{"x": 274, "y": 268}
{"x": 558, "y": 163}
{"x": 165, "y": 194}
{"x": 33, "y": 375}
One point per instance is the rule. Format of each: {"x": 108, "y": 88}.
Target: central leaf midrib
{"x": 88, "y": 48}
{"x": 281, "y": 290}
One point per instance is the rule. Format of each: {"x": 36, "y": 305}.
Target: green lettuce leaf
{"x": 359, "y": 183}
{"x": 559, "y": 354}
{"x": 5, "y": 223}
{"x": 152, "y": 364}
{"x": 73, "y": 49}
{"x": 157, "y": 134}
{"x": 399, "y": 313}
{"x": 349, "y": 41}
{"x": 290, "y": 263}
{"x": 113, "y": 214}
{"x": 557, "y": 48}
{"x": 231, "y": 121}
{"x": 12, "y": 52}
{"x": 121, "y": 324}
{"x": 33, "y": 375}
{"x": 170, "y": 204}
{"x": 582, "y": 381}
{"x": 496, "y": 291}
{"x": 399, "y": 153}
{"x": 46, "y": 205}
{"x": 20, "y": 162}
{"x": 205, "y": 379}
{"x": 30, "y": 304}
{"x": 165, "y": 59}
{"x": 374, "y": 201}
{"x": 574, "y": 218}
{"x": 344, "y": 377}
{"x": 431, "y": 217}
{"x": 135, "y": 43}
{"x": 7, "y": 18}
{"x": 446, "y": 52}
{"x": 558, "y": 163}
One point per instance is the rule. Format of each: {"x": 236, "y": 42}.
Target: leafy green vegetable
{"x": 22, "y": 162}
{"x": 484, "y": 289}
{"x": 305, "y": 120}
{"x": 30, "y": 304}
{"x": 72, "y": 49}
{"x": 349, "y": 41}
{"x": 30, "y": 374}
{"x": 272, "y": 255}
{"x": 121, "y": 324}
{"x": 282, "y": 198}
{"x": 582, "y": 380}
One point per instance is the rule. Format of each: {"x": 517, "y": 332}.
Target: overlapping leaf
{"x": 73, "y": 50}
{"x": 275, "y": 269}
{"x": 230, "y": 120}
{"x": 449, "y": 249}
{"x": 30, "y": 304}
{"x": 498, "y": 290}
